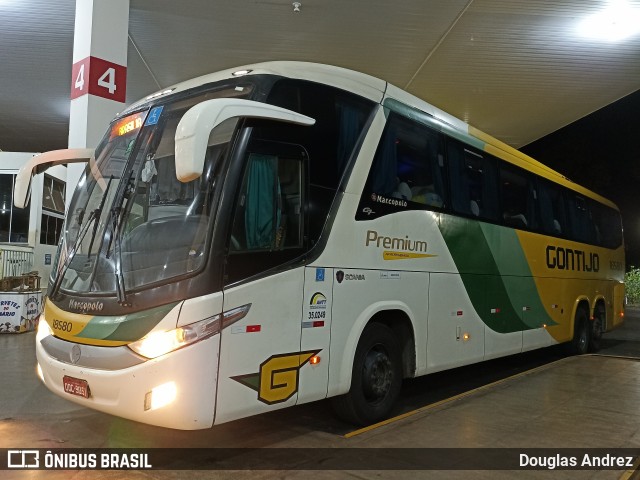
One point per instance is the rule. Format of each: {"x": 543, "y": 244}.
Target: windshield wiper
{"x": 99, "y": 211}
{"x": 117, "y": 213}
{"x": 94, "y": 216}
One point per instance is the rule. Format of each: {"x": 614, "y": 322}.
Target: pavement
{"x": 587, "y": 402}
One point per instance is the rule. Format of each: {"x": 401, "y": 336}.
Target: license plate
{"x": 76, "y": 386}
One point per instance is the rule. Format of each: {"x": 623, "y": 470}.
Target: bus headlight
{"x": 160, "y": 343}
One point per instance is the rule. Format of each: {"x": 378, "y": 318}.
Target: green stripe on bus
{"x": 125, "y": 328}
{"x": 518, "y": 280}
{"x": 495, "y": 273}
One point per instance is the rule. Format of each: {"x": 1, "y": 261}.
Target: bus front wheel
{"x": 376, "y": 378}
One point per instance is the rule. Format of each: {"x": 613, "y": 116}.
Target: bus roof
{"x": 350, "y": 80}
{"x": 378, "y": 90}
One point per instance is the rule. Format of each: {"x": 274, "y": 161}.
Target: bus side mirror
{"x": 39, "y": 164}
{"x": 192, "y": 134}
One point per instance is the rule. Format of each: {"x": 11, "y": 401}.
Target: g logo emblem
{"x": 277, "y": 380}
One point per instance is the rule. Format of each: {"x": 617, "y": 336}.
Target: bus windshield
{"x": 131, "y": 222}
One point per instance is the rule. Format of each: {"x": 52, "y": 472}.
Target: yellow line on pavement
{"x": 632, "y": 473}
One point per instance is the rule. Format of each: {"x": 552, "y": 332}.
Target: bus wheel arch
{"x": 400, "y": 324}
{"x": 385, "y": 354}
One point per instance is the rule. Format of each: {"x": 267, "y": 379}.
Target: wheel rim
{"x": 583, "y": 339}
{"x": 596, "y": 334}
{"x": 377, "y": 375}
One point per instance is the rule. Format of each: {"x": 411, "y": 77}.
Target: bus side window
{"x": 474, "y": 189}
{"x": 268, "y": 226}
{"x": 519, "y": 198}
{"x": 409, "y": 164}
{"x": 340, "y": 120}
{"x": 269, "y": 209}
{"x": 583, "y": 228}
{"x": 552, "y": 216}
{"x": 608, "y": 224}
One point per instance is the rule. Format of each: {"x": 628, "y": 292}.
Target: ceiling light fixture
{"x": 296, "y": 7}
{"x": 616, "y": 22}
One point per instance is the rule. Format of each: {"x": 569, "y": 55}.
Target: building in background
{"x": 29, "y": 236}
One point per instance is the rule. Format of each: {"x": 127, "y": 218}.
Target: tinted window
{"x": 580, "y": 220}
{"x": 552, "y": 208}
{"x": 340, "y": 120}
{"x": 608, "y": 225}
{"x": 518, "y": 198}
{"x": 473, "y": 175}
{"x": 409, "y": 165}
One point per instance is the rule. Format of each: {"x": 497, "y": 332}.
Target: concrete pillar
{"x": 99, "y": 74}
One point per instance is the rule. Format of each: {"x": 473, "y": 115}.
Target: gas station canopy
{"x": 517, "y": 69}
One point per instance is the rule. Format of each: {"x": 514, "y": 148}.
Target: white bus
{"x": 288, "y": 232}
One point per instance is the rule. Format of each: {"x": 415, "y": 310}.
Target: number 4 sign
{"x": 99, "y": 77}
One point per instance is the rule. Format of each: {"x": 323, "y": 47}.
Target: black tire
{"x": 579, "y": 345}
{"x": 595, "y": 338}
{"x": 376, "y": 379}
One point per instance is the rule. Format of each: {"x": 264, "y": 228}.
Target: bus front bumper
{"x": 176, "y": 390}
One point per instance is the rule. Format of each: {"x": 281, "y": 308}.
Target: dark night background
{"x": 602, "y": 152}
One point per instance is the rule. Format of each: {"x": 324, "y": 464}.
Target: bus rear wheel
{"x": 579, "y": 345}
{"x": 599, "y": 318}
{"x": 376, "y": 378}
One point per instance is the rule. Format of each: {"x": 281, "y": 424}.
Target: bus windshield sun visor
{"x": 196, "y": 125}
{"x": 40, "y": 163}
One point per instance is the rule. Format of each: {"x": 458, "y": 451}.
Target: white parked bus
{"x": 260, "y": 238}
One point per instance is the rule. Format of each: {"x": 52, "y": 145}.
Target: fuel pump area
{"x": 569, "y": 417}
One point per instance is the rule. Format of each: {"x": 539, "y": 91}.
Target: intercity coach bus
{"x": 260, "y": 238}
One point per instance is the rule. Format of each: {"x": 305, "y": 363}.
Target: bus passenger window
{"x": 552, "y": 216}
{"x": 583, "y": 228}
{"x": 473, "y": 177}
{"x": 409, "y": 165}
{"x": 518, "y": 198}
{"x": 608, "y": 224}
